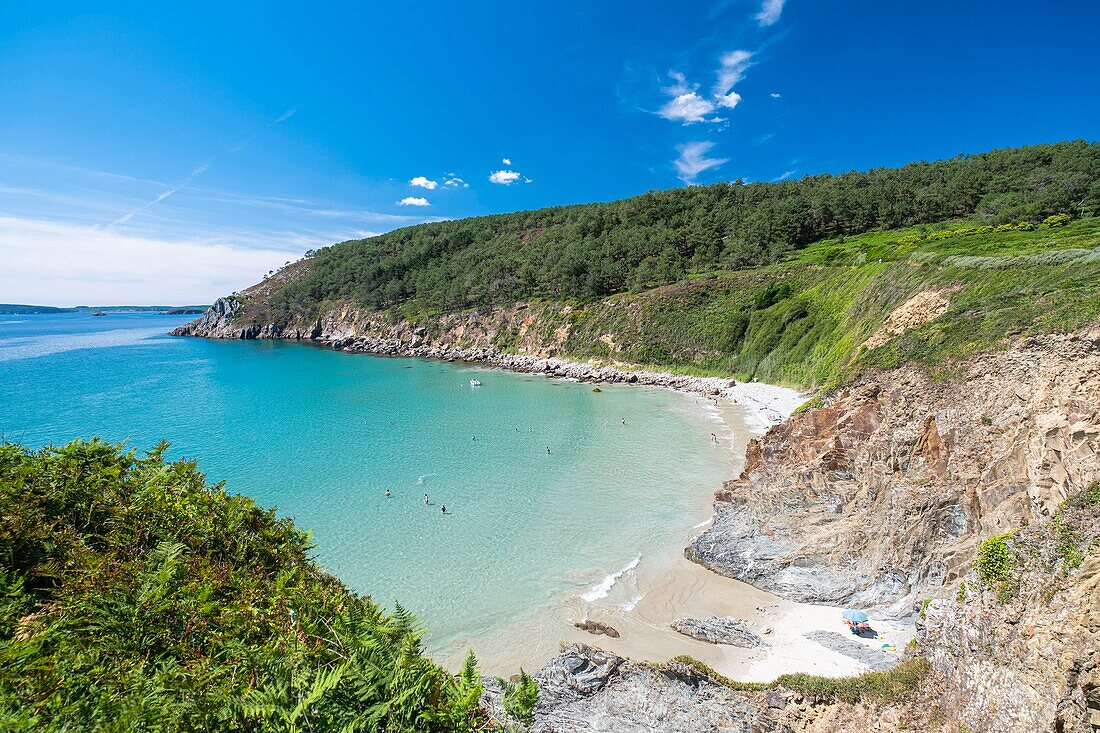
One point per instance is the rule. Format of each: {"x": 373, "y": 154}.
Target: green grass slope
{"x": 804, "y": 321}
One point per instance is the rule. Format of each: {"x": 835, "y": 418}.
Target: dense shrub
{"x": 134, "y": 597}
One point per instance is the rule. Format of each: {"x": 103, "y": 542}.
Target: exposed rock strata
{"x": 881, "y": 496}
{"x": 718, "y": 630}
{"x": 587, "y": 689}
{"x": 1025, "y": 654}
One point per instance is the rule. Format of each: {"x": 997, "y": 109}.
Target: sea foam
{"x": 604, "y": 586}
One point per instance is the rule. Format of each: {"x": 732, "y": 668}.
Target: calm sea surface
{"x": 321, "y": 435}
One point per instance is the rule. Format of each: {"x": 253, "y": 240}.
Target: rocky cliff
{"x": 879, "y": 496}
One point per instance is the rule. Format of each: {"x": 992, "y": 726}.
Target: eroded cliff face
{"x": 532, "y": 329}
{"x": 879, "y": 497}
{"x": 1023, "y": 653}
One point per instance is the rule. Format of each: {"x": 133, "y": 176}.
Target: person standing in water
{"x": 387, "y": 493}
{"x": 547, "y": 450}
{"x": 624, "y": 421}
{"x": 442, "y": 508}
{"x": 425, "y": 498}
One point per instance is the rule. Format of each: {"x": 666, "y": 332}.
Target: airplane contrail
{"x": 198, "y": 171}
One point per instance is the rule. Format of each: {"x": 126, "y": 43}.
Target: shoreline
{"x": 677, "y": 587}
{"x": 771, "y": 403}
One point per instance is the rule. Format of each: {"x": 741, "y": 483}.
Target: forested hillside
{"x": 594, "y": 250}
{"x": 134, "y": 597}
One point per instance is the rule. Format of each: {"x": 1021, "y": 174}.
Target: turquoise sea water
{"x": 322, "y": 434}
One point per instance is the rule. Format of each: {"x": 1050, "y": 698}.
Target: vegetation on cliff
{"x": 595, "y": 250}
{"x": 134, "y": 597}
{"x": 889, "y": 686}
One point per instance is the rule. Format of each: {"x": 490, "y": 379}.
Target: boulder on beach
{"x": 718, "y": 630}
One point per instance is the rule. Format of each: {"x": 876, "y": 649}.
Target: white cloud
{"x": 424, "y": 182}
{"x": 455, "y": 182}
{"x": 687, "y": 106}
{"x": 776, "y": 95}
{"x": 785, "y": 176}
{"x": 504, "y": 177}
{"x": 53, "y": 263}
{"x": 506, "y": 161}
{"x": 770, "y": 11}
{"x": 413, "y": 201}
{"x": 693, "y": 160}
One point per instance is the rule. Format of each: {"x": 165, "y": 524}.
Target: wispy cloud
{"x": 196, "y": 172}
{"x": 784, "y": 176}
{"x": 687, "y": 106}
{"x": 693, "y": 160}
{"x": 455, "y": 182}
{"x": 770, "y": 11}
{"x": 413, "y": 201}
{"x": 424, "y": 182}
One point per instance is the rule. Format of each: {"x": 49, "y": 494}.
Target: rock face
{"x": 881, "y": 496}
{"x": 587, "y": 689}
{"x": 1024, "y": 653}
{"x": 718, "y": 630}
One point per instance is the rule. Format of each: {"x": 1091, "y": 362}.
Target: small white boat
{"x": 475, "y": 383}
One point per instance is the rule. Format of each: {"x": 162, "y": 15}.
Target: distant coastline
{"x": 19, "y": 309}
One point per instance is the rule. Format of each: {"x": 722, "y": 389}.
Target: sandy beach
{"x": 641, "y": 599}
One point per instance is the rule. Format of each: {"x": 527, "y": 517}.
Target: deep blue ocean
{"x": 321, "y": 435}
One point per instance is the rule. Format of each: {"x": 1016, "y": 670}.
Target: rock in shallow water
{"x": 718, "y": 630}
{"x": 597, "y": 627}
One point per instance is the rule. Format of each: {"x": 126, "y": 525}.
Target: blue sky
{"x": 175, "y": 152}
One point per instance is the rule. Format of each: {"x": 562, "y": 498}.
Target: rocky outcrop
{"x": 1023, "y": 653}
{"x": 880, "y": 496}
{"x": 588, "y": 689}
{"x": 718, "y": 630}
